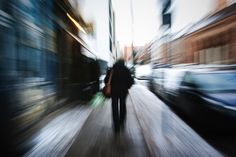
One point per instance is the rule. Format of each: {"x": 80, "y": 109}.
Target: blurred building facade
{"x": 208, "y": 41}
{"x": 221, "y": 4}
{"x": 42, "y": 65}
{"x": 128, "y": 53}
{"x": 112, "y": 33}
{"x": 102, "y": 18}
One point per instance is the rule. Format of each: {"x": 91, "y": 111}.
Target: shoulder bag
{"x": 107, "y": 88}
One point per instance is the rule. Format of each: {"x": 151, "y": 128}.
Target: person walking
{"x": 121, "y": 81}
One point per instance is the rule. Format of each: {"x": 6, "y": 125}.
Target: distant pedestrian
{"x": 121, "y": 81}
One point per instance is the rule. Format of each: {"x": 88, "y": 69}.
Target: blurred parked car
{"x": 172, "y": 81}
{"x": 143, "y": 72}
{"x": 101, "y": 81}
{"x": 156, "y": 82}
{"x": 166, "y": 81}
{"x": 208, "y": 96}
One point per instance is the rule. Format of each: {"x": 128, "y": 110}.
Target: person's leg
{"x": 122, "y": 110}
{"x": 115, "y": 114}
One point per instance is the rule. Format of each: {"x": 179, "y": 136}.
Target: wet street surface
{"x": 223, "y": 139}
{"x": 98, "y": 139}
{"x": 152, "y": 129}
{"x": 57, "y": 133}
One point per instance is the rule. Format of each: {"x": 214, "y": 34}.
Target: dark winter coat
{"x": 121, "y": 80}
